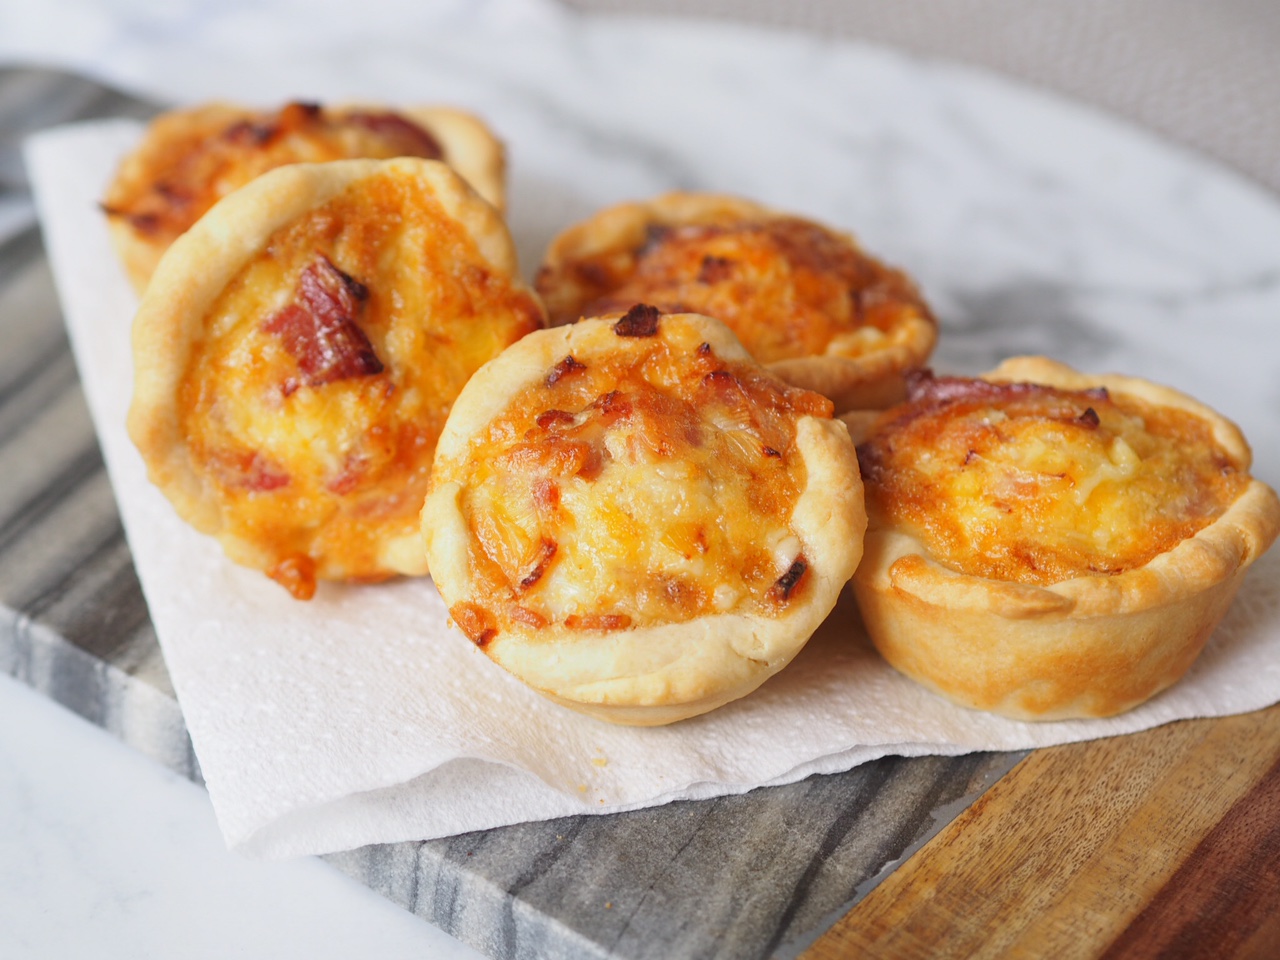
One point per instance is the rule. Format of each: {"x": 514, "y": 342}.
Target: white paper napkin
{"x": 360, "y": 717}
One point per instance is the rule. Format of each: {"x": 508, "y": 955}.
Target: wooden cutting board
{"x": 1159, "y": 844}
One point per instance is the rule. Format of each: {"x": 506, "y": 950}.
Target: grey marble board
{"x": 748, "y": 876}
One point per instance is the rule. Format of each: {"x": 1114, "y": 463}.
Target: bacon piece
{"x": 247, "y": 470}
{"x": 409, "y": 138}
{"x": 640, "y": 321}
{"x": 550, "y": 418}
{"x": 789, "y": 582}
{"x": 546, "y": 496}
{"x": 569, "y": 365}
{"x": 613, "y": 406}
{"x": 597, "y": 621}
{"x": 262, "y": 129}
{"x": 714, "y": 269}
{"x": 349, "y": 477}
{"x": 530, "y": 618}
{"x": 475, "y": 621}
{"x": 546, "y": 553}
{"x": 319, "y": 328}
{"x": 1089, "y": 418}
{"x": 924, "y": 387}
{"x": 250, "y": 133}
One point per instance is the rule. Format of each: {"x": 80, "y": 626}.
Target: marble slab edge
{"x": 747, "y": 876}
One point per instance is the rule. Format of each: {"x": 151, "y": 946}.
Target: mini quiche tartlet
{"x": 298, "y": 350}
{"x": 637, "y": 520}
{"x": 189, "y": 159}
{"x": 806, "y": 301}
{"x": 1045, "y": 544}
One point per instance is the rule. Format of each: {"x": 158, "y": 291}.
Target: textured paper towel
{"x": 360, "y": 717}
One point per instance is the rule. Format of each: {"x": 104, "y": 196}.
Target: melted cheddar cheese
{"x": 652, "y": 484}
{"x": 1034, "y": 484}
{"x": 788, "y": 288}
{"x": 313, "y": 403}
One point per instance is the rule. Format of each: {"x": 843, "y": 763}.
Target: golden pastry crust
{"x": 189, "y": 159}
{"x": 1046, "y": 544}
{"x": 805, "y": 301}
{"x": 638, "y": 521}
{"x": 298, "y": 350}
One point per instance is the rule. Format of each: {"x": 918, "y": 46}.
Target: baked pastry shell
{"x": 1091, "y": 646}
{"x": 871, "y": 380}
{"x": 471, "y": 148}
{"x": 169, "y": 325}
{"x": 657, "y": 673}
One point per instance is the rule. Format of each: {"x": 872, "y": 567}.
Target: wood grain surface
{"x": 1159, "y": 844}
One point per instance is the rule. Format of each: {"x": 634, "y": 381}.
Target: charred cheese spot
{"x": 313, "y": 404}
{"x": 1034, "y": 484}
{"x": 654, "y": 485}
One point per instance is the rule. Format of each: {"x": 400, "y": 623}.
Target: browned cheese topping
{"x": 1033, "y": 484}
{"x": 328, "y": 367}
{"x": 787, "y": 287}
{"x": 654, "y": 484}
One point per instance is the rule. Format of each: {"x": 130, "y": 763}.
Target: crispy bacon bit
{"x": 1089, "y": 418}
{"x": 597, "y": 621}
{"x": 546, "y": 495}
{"x": 319, "y": 328}
{"x": 569, "y": 365}
{"x": 249, "y": 132}
{"x": 261, "y": 130}
{"x": 411, "y": 139}
{"x": 640, "y": 321}
{"x": 613, "y": 406}
{"x": 714, "y": 269}
{"x": 530, "y": 618}
{"x": 655, "y": 235}
{"x": 704, "y": 349}
{"x": 789, "y": 582}
{"x": 546, "y": 553}
{"x": 348, "y": 478}
{"x": 248, "y": 471}
{"x": 475, "y": 621}
{"x": 550, "y": 418}
{"x": 297, "y": 575}
{"x": 147, "y": 223}
{"x": 923, "y": 386}
{"x": 768, "y": 451}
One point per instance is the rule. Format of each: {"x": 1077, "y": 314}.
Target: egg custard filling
{"x": 654, "y": 484}
{"x": 303, "y": 414}
{"x": 787, "y": 287}
{"x": 1048, "y": 544}
{"x": 805, "y": 300}
{"x": 1038, "y": 484}
{"x": 636, "y": 519}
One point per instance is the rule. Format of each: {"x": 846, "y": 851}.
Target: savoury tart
{"x": 634, "y": 518}
{"x": 298, "y": 350}
{"x": 1046, "y": 544}
{"x": 189, "y": 159}
{"x": 806, "y": 301}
